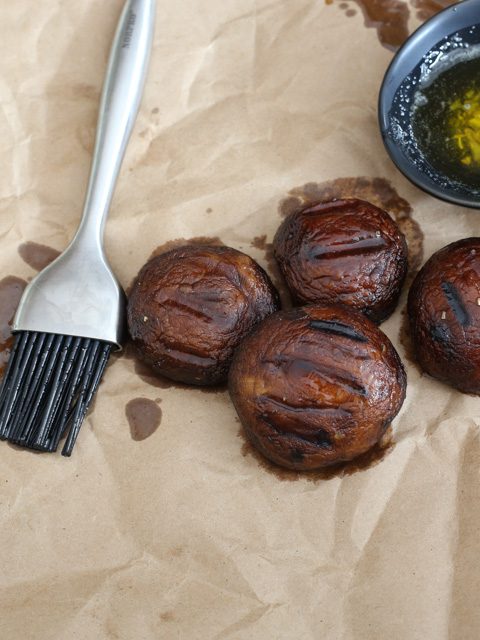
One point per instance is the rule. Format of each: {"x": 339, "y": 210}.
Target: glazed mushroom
{"x": 343, "y": 252}
{"x": 444, "y": 312}
{"x": 190, "y": 307}
{"x": 316, "y": 386}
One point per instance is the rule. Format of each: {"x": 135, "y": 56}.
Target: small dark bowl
{"x": 456, "y": 27}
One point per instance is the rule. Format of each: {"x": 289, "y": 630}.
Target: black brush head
{"x": 48, "y": 387}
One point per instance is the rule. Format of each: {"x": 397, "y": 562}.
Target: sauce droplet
{"x": 144, "y": 417}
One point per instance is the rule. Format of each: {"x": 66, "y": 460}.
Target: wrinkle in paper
{"x": 180, "y": 536}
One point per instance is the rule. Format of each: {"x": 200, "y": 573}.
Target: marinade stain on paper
{"x": 85, "y": 91}
{"x": 348, "y": 11}
{"x": 37, "y": 256}
{"x": 390, "y": 17}
{"x": 376, "y": 190}
{"x": 11, "y": 290}
{"x": 167, "y": 616}
{"x": 144, "y": 417}
{"x": 428, "y": 8}
{"x": 366, "y": 461}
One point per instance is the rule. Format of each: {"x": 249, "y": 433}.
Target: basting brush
{"x": 72, "y": 315}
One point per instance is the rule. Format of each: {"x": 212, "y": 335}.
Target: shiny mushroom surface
{"x": 343, "y": 252}
{"x": 316, "y": 386}
{"x": 190, "y": 308}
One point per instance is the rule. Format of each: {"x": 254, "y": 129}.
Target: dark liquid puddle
{"x": 378, "y": 191}
{"x": 366, "y": 461}
{"x": 37, "y": 256}
{"x": 144, "y": 417}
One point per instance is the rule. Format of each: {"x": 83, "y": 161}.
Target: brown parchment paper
{"x": 180, "y": 536}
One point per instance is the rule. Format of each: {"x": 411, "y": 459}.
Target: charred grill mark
{"x": 297, "y": 455}
{"x": 440, "y": 333}
{"x": 342, "y": 249}
{"x": 189, "y": 309}
{"x": 283, "y": 405}
{"x": 338, "y": 329}
{"x": 455, "y": 302}
{"x": 303, "y": 367}
{"x": 320, "y": 437}
{"x": 333, "y": 376}
{"x": 349, "y": 383}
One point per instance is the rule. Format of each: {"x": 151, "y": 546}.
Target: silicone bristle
{"x": 48, "y": 387}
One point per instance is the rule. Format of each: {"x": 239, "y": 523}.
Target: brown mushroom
{"x": 444, "y": 312}
{"x": 316, "y": 386}
{"x": 343, "y": 252}
{"x": 190, "y": 307}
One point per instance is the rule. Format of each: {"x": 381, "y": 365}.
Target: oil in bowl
{"x": 429, "y": 106}
{"x": 445, "y": 117}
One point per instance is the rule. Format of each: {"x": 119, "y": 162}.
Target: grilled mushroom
{"x": 190, "y": 307}
{"x": 444, "y": 312}
{"x": 316, "y": 386}
{"x": 344, "y": 251}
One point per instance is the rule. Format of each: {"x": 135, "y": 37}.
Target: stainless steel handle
{"x": 78, "y": 294}
{"x": 122, "y": 92}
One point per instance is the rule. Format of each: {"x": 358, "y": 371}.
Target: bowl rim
{"x": 431, "y": 29}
